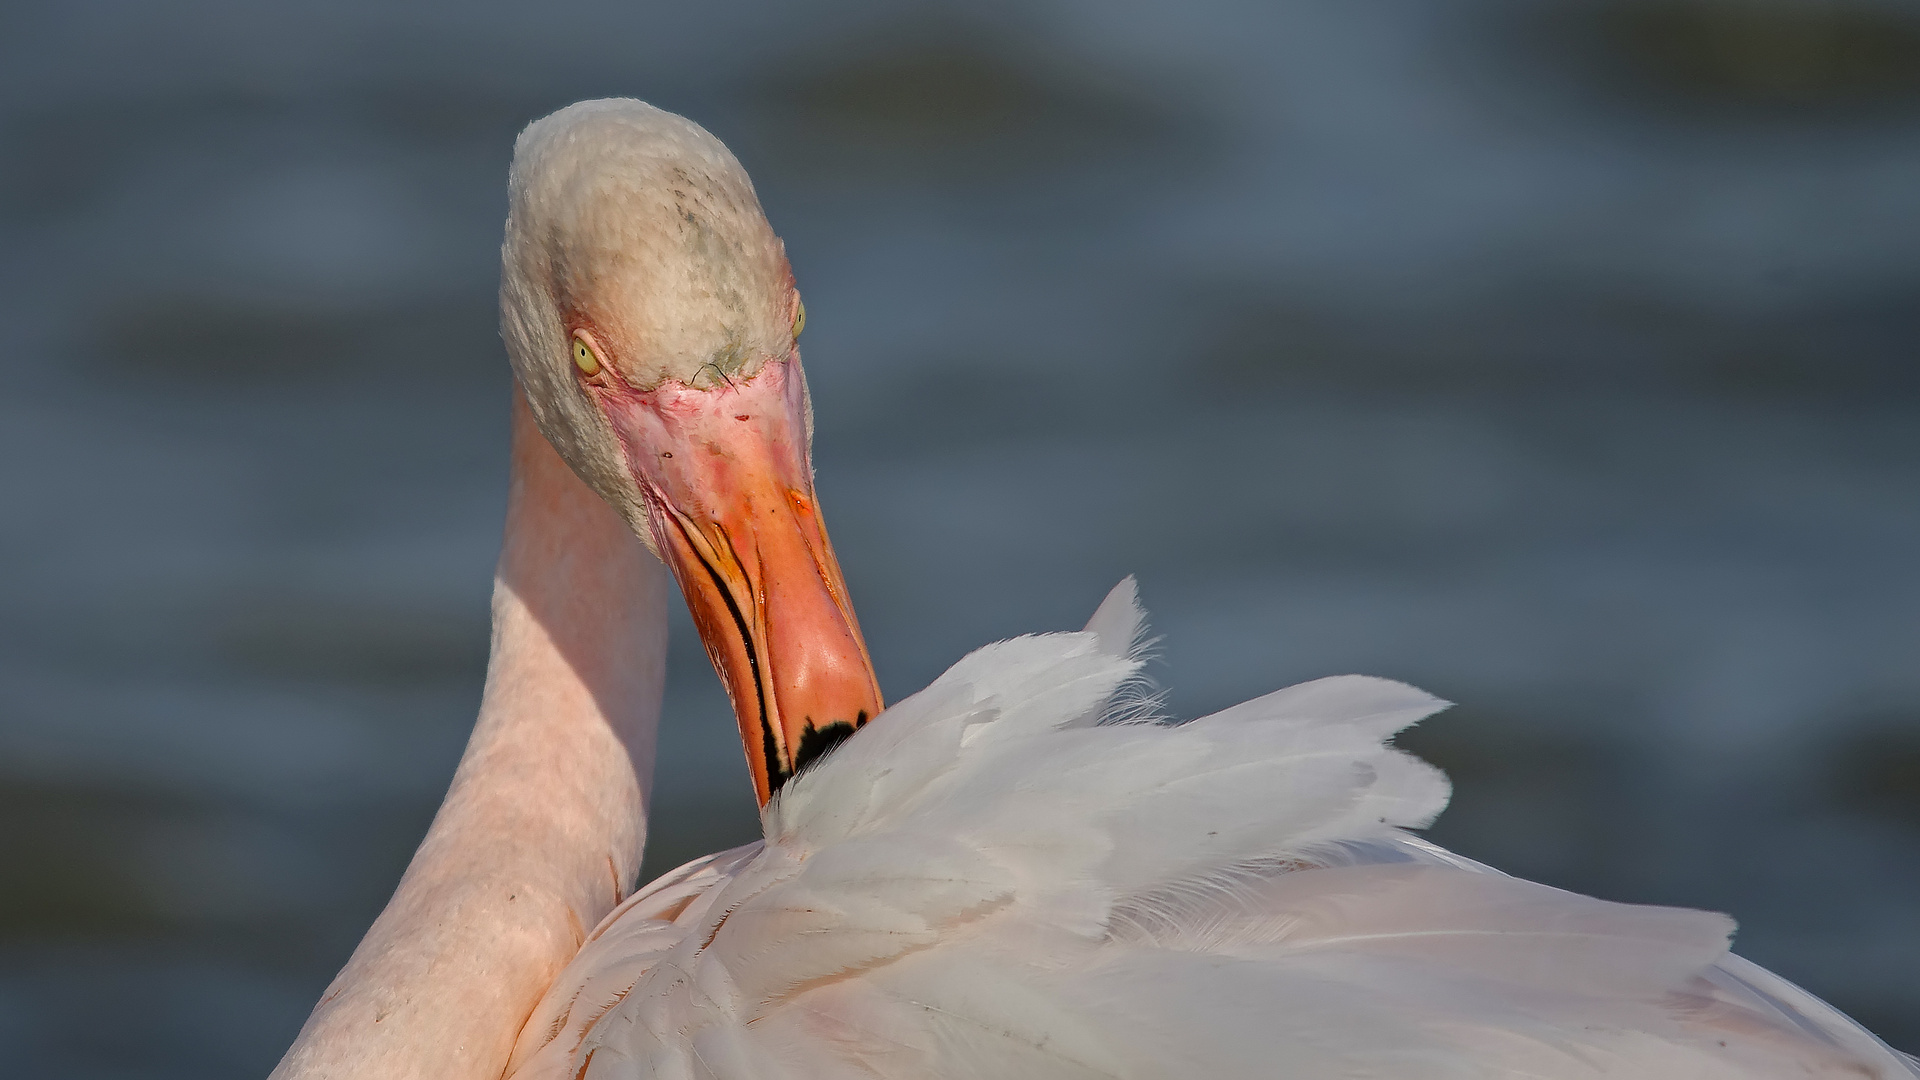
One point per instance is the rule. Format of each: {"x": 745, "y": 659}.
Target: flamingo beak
{"x": 730, "y": 498}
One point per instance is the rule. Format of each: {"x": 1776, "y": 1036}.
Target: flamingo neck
{"x": 541, "y": 832}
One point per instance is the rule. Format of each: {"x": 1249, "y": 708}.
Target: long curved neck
{"x": 541, "y": 832}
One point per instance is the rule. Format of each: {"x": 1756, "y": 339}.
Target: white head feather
{"x": 640, "y": 227}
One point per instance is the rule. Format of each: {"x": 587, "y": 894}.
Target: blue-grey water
{"x": 1559, "y": 356}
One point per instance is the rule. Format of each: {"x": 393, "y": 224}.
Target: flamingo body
{"x": 1019, "y": 872}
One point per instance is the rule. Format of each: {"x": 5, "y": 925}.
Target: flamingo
{"x": 1021, "y": 870}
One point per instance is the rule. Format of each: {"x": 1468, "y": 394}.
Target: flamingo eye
{"x": 799, "y": 316}
{"x": 584, "y": 359}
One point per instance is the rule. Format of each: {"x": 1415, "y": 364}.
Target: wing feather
{"x": 1017, "y": 873}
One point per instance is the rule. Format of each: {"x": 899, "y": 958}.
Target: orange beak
{"x": 730, "y": 499}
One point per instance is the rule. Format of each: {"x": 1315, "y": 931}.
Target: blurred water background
{"x": 1558, "y": 356}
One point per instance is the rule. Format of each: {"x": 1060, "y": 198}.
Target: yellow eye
{"x": 799, "y": 316}
{"x": 584, "y": 359}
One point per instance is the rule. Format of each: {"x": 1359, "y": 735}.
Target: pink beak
{"x": 730, "y": 493}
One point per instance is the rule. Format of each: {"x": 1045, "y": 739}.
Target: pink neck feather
{"x": 541, "y": 832}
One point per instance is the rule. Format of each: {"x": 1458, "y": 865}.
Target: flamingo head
{"x": 652, "y": 320}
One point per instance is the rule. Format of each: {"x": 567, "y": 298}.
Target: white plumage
{"x": 1019, "y": 872}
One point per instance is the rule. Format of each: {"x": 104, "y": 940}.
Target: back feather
{"x": 1019, "y": 872}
